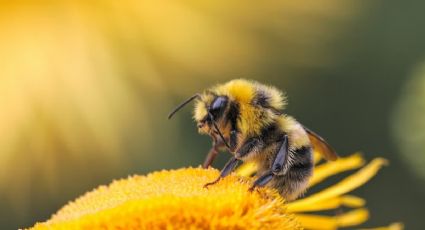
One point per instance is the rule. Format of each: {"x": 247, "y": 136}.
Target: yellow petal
{"x": 351, "y": 218}
{"x": 317, "y": 157}
{"x": 316, "y": 221}
{"x": 332, "y": 203}
{"x": 321, "y": 172}
{"x": 328, "y": 169}
{"x": 348, "y": 184}
{"x": 393, "y": 226}
{"x": 353, "y": 201}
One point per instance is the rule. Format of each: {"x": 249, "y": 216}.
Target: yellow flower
{"x": 176, "y": 199}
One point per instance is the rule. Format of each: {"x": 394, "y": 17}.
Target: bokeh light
{"x": 409, "y": 124}
{"x": 85, "y": 86}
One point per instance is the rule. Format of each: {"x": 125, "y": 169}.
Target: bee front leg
{"x": 210, "y": 157}
{"x": 247, "y": 147}
{"x": 215, "y": 149}
{"x": 228, "y": 168}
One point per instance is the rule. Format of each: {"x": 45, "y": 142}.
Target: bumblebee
{"x": 246, "y": 118}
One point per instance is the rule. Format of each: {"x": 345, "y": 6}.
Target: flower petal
{"x": 317, "y": 157}
{"x": 346, "y": 185}
{"x": 351, "y": 218}
{"x": 332, "y": 203}
{"x": 393, "y": 226}
{"x": 330, "y": 168}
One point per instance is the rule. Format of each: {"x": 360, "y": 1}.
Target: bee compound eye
{"x": 218, "y": 103}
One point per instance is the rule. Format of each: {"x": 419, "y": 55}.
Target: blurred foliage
{"x": 409, "y": 122}
{"x": 85, "y": 87}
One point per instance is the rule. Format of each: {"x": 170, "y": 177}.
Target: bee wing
{"x": 320, "y": 145}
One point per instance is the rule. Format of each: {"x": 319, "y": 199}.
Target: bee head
{"x": 210, "y": 111}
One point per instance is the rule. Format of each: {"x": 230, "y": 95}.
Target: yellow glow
{"x": 75, "y": 76}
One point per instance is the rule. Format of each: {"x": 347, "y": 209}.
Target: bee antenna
{"x": 182, "y": 105}
{"x": 218, "y": 131}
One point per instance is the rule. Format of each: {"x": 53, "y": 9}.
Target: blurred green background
{"x": 85, "y": 88}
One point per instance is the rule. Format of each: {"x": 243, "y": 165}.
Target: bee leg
{"x": 233, "y": 139}
{"x": 262, "y": 180}
{"x": 228, "y": 168}
{"x": 280, "y": 159}
{"x": 247, "y": 147}
{"x": 210, "y": 157}
{"x": 217, "y": 144}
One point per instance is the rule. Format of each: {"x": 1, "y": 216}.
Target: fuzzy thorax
{"x": 250, "y": 97}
